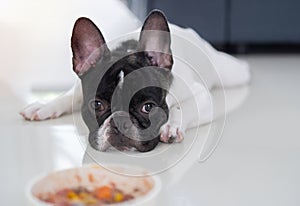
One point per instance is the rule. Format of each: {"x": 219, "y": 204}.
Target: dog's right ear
{"x": 88, "y": 45}
{"x": 155, "y": 40}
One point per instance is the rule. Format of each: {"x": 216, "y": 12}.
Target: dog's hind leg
{"x": 230, "y": 70}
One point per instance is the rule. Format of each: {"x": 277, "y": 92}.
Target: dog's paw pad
{"x": 170, "y": 134}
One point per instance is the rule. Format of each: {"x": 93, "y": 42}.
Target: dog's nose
{"x": 126, "y": 125}
{"x": 122, "y": 126}
{"x": 121, "y": 123}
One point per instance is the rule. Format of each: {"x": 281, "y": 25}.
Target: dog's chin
{"x": 107, "y": 147}
{"x": 105, "y": 143}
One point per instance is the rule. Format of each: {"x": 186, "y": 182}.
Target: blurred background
{"x": 35, "y": 52}
{"x": 235, "y": 26}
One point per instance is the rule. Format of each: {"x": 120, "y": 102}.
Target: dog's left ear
{"x": 155, "y": 40}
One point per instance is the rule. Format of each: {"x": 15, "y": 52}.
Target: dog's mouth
{"x": 121, "y": 136}
{"x": 106, "y": 143}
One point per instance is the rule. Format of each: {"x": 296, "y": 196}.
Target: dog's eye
{"x": 147, "y": 107}
{"x": 97, "y": 105}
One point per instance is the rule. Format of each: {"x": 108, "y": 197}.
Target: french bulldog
{"x": 124, "y": 93}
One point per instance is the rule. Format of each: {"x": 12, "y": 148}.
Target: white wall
{"x": 35, "y": 51}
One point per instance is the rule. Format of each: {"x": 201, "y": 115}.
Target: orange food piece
{"x": 104, "y": 193}
{"x": 91, "y": 178}
{"x": 78, "y": 178}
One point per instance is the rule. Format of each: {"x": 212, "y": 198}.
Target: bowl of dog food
{"x": 94, "y": 185}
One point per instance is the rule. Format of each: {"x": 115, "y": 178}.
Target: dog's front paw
{"x": 170, "y": 134}
{"x": 40, "y": 111}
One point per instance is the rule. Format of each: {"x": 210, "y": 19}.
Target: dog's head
{"x": 124, "y": 91}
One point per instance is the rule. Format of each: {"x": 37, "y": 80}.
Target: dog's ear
{"x": 88, "y": 45}
{"x": 155, "y": 40}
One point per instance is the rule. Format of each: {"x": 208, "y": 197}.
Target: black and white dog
{"x": 125, "y": 100}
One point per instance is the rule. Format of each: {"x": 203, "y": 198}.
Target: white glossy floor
{"x": 256, "y": 163}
